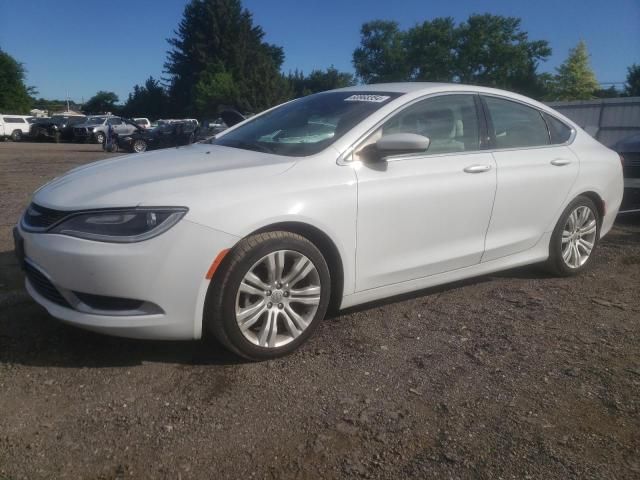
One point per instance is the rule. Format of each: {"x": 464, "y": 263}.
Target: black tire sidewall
{"x": 236, "y": 272}
{"x": 556, "y": 261}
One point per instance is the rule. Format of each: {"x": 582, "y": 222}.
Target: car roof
{"x": 417, "y": 89}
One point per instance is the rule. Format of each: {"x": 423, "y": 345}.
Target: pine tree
{"x": 218, "y": 56}
{"x": 575, "y": 79}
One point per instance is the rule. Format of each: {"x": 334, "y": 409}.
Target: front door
{"x": 419, "y": 215}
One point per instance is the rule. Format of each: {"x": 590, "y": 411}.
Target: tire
{"x": 571, "y": 231}
{"x": 100, "y": 137}
{"x": 139, "y": 146}
{"x": 16, "y": 136}
{"x": 274, "y": 302}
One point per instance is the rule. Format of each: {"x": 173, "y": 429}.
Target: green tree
{"x": 382, "y": 54}
{"x": 14, "y": 94}
{"x": 632, "y": 87}
{"x": 217, "y": 44}
{"x": 318, "y": 81}
{"x": 575, "y": 79}
{"x": 150, "y": 100}
{"x": 101, "y": 102}
{"x": 494, "y": 51}
{"x": 217, "y": 89}
{"x": 487, "y": 50}
{"x": 431, "y": 50}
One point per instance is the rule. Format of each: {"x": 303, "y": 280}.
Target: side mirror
{"x": 394, "y": 144}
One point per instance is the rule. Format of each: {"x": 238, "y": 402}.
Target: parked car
{"x": 143, "y": 122}
{"x": 228, "y": 118}
{"x": 57, "y": 128}
{"x": 95, "y": 128}
{"x": 335, "y": 199}
{"x": 163, "y": 136}
{"x": 629, "y": 149}
{"x": 14, "y": 126}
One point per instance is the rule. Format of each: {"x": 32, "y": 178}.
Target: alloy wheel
{"x": 579, "y": 236}
{"x": 278, "y": 298}
{"x": 139, "y": 146}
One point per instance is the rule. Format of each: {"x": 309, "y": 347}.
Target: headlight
{"x": 120, "y": 225}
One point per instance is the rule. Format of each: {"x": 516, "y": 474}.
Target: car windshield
{"x": 96, "y": 119}
{"x": 306, "y": 126}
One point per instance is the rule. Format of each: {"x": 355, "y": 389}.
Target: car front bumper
{"x": 93, "y": 284}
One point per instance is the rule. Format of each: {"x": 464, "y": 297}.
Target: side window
{"x": 115, "y": 121}
{"x": 516, "y": 125}
{"x": 560, "y": 133}
{"x": 14, "y": 120}
{"x": 449, "y": 121}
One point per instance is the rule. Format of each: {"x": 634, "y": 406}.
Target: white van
{"x": 14, "y": 126}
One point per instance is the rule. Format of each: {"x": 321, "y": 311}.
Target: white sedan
{"x": 328, "y": 201}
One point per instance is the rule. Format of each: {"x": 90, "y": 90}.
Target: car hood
{"x": 153, "y": 178}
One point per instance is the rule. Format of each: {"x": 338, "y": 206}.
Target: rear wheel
{"x": 575, "y": 238}
{"x": 269, "y": 295}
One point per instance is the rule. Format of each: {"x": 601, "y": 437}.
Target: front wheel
{"x": 100, "y": 137}
{"x": 574, "y": 238}
{"x": 139, "y": 146}
{"x": 16, "y": 136}
{"x": 269, "y": 295}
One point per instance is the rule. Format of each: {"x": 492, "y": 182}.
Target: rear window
{"x": 560, "y": 133}
{"x": 516, "y": 125}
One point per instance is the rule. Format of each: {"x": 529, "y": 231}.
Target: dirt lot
{"x": 516, "y": 375}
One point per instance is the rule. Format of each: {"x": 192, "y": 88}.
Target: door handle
{"x": 477, "y": 168}
{"x": 560, "y": 162}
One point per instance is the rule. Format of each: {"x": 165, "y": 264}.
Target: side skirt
{"x": 539, "y": 253}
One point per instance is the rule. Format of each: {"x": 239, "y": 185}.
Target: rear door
{"x": 534, "y": 175}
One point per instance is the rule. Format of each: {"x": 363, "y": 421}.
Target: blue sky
{"x": 85, "y": 46}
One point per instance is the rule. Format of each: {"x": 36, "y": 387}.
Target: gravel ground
{"x": 516, "y": 375}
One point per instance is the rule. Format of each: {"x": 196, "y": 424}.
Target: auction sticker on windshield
{"x": 367, "y": 98}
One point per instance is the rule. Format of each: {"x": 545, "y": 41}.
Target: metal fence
{"x": 608, "y": 120}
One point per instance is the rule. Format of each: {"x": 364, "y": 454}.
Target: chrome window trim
{"x": 342, "y": 159}
{"x": 514, "y": 100}
{"x": 346, "y": 157}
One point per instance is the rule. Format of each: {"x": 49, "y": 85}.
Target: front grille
{"x": 42, "y": 218}
{"x": 80, "y": 132}
{"x": 43, "y": 286}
